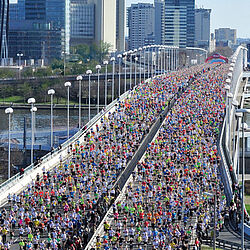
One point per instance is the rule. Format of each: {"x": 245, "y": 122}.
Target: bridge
{"x": 129, "y": 160}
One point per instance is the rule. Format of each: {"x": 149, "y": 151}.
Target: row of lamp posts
{"x": 155, "y": 50}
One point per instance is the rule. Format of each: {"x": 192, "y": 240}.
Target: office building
{"x": 35, "y": 41}
{"x": 4, "y": 12}
{"x": 225, "y": 35}
{"x": 202, "y": 27}
{"x": 179, "y": 23}
{"x": 105, "y": 22}
{"x": 34, "y": 23}
{"x": 82, "y": 22}
{"x": 120, "y": 24}
{"x": 141, "y": 24}
{"x": 159, "y": 18}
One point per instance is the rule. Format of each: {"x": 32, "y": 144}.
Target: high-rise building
{"x": 82, "y": 22}
{"x": 4, "y": 15}
{"x": 50, "y": 18}
{"x": 159, "y": 18}
{"x": 141, "y": 24}
{"x": 225, "y": 35}
{"x": 179, "y": 24}
{"x": 120, "y": 24}
{"x": 202, "y": 27}
{"x": 105, "y": 22}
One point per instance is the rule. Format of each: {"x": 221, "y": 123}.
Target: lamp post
{"x": 130, "y": 71}
{"x": 227, "y": 88}
{"x": 235, "y": 105}
{"x": 238, "y": 115}
{"x": 19, "y": 58}
{"x": 98, "y": 68}
{"x": 136, "y": 59}
{"x": 51, "y": 92}
{"x": 144, "y": 70}
{"x": 67, "y": 85}
{"x": 161, "y": 58}
{"x": 79, "y": 79}
{"x": 229, "y": 96}
{"x": 152, "y": 66}
{"x": 9, "y": 111}
{"x": 106, "y": 81}
{"x": 215, "y": 201}
{"x": 32, "y": 102}
{"x": 89, "y": 72}
{"x": 125, "y": 71}
{"x": 243, "y": 127}
{"x": 112, "y": 59}
{"x": 140, "y": 50}
{"x": 148, "y": 60}
{"x": 119, "y": 75}
{"x": 158, "y": 61}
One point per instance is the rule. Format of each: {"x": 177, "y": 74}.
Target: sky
{"x": 225, "y": 14}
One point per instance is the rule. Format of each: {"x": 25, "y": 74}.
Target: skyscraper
{"x": 82, "y": 22}
{"x": 141, "y": 18}
{"x": 179, "y": 23}
{"x": 105, "y": 22}
{"x": 40, "y": 29}
{"x": 202, "y": 27}
{"x": 120, "y": 24}
{"x": 4, "y": 12}
{"x": 159, "y": 18}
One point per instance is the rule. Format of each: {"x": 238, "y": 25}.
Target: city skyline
{"x": 218, "y": 17}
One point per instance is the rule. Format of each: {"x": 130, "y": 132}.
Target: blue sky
{"x": 225, "y": 13}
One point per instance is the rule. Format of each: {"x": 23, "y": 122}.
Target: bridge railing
{"x": 228, "y": 176}
{"x": 18, "y": 182}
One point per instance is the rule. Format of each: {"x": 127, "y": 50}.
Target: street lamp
{"x": 238, "y": 115}
{"x": 89, "y": 72}
{"x": 215, "y": 201}
{"x": 158, "y": 60}
{"x": 105, "y": 62}
{"x": 112, "y": 59}
{"x": 144, "y": 55}
{"x": 98, "y": 68}
{"x": 32, "y": 102}
{"x": 19, "y": 58}
{"x": 136, "y": 59}
{"x": 235, "y": 104}
{"x": 9, "y": 111}
{"x": 125, "y": 70}
{"x": 152, "y": 66}
{"x": 229, "y": 96}
{"x": 243, "y": 127}
{"x": 67, "y": 85}
{"x": 79, "y": 79}
{"x": 51, "y": 92}
{"x": 119, "y": 84}
{"x": 148, "y": 60}
{"x": 140, "y": 49}
{"x": 130, "y": 69}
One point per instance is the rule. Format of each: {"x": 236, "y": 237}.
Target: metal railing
{"x": 5, "y": 186}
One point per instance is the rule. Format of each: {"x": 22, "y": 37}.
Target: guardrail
{"x": 229, "y": 177}
{"x": 18, "y": 182}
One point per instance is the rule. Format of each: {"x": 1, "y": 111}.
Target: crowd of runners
{"x": 176, "y": 191}
{"x": 62, "y": 207}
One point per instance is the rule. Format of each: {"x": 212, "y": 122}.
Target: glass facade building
{"x": 47, "y": 17}
{"x": 179, "y": 23}
{"x": 4, "y": 12}
{"x": 82, "y": 22}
